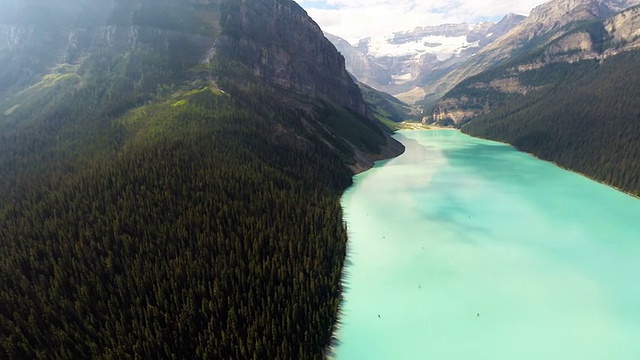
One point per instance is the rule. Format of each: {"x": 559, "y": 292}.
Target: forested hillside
{"x": 159, "y": 200}
{"x": 584, "y": 116}
{"x": 211, "y": 234}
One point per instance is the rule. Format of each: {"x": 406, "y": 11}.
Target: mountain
{"x": 386, "y": 108}
{"x": 583, "y": 34}
{"x": 404, "y": 62}
{"x": 170, "y": 179}
{"x": 568, "y": 95}
{"x": 544, "y": 24}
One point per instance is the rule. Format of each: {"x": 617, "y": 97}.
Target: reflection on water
{"x": 467, "y": 249}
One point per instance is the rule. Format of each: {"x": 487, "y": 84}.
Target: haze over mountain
{"x": 428, "y": 61}
{"x": 401, "y": 63}
{"x": 170, "y": 175}
{"x": 358, "y": 19}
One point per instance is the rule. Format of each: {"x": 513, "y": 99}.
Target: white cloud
{"x": 356, "y": 19}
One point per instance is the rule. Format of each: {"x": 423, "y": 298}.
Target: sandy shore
{"x": 411, "y": 125}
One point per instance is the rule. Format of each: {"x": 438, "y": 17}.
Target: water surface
{"x": 468, "y": 249}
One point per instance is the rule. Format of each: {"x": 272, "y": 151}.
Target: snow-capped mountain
{"x": 402, "y": 63}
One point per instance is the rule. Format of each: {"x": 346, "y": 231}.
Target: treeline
{"x": 585, "y": 117}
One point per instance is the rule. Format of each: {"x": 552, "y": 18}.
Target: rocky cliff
{"x": 283, "y": 46}
{"x": 624, "y": 29}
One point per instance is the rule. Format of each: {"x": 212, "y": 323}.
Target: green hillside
{"x": 154, "y": 205}
{"x": 584, "y": 116}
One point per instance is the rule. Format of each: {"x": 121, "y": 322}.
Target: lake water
{"x": 468, "y": 249}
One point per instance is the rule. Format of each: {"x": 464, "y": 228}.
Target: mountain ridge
{"x": 544, "y": 20}
{"x": 598, "y": 40}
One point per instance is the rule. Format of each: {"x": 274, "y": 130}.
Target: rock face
{"x": 458, "y": 109}
{"x": 68, "y": 32}
{"x": 405, "y": 61}
{"x": 276, "y": 39}
{"x": 283, "y": 46}
{"x": 590, "y": 30}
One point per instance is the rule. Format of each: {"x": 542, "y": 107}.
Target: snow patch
{"x": 444, "y": 47}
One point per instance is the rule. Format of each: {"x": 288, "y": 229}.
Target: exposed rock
{"x": 364, "y": 68}
{"x": 544, "y": 38}
{"x": 577, "y": 42}
{"x": 275, "y": 39}
{"x": 541, "y": 27}
{"x": 456, "y": 111}
{"x": 624, "y": 28}
{"x": 282, "y": 45}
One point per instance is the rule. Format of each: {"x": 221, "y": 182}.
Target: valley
{"x": 559, "y": 83}
{"x": 466, "y": 248}
{"x": 206, "y": 179}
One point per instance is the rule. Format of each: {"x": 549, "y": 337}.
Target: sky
{"x": 356, "y": 19}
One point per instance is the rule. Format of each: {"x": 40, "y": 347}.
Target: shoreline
{"x": 339, "y": 325}
{"x": 635, "y": 196}
{"x": 411, "y": 125}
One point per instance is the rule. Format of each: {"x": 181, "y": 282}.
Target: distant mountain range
{"x": 421, "y": 65}
{"x": 402, "y": 63}
{"x": 561, "y": 83}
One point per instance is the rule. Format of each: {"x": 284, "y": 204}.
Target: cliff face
{"x": 478, "y": 98}
{"x": 71, "y": 33}
{"x": 624, "y": 28}
{"x": 276, "y": 39}
{"x": 283, "y": 46}
{"x": 71, "y": 46}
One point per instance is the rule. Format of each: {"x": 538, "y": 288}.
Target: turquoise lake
{"x": 463, "y": 248}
